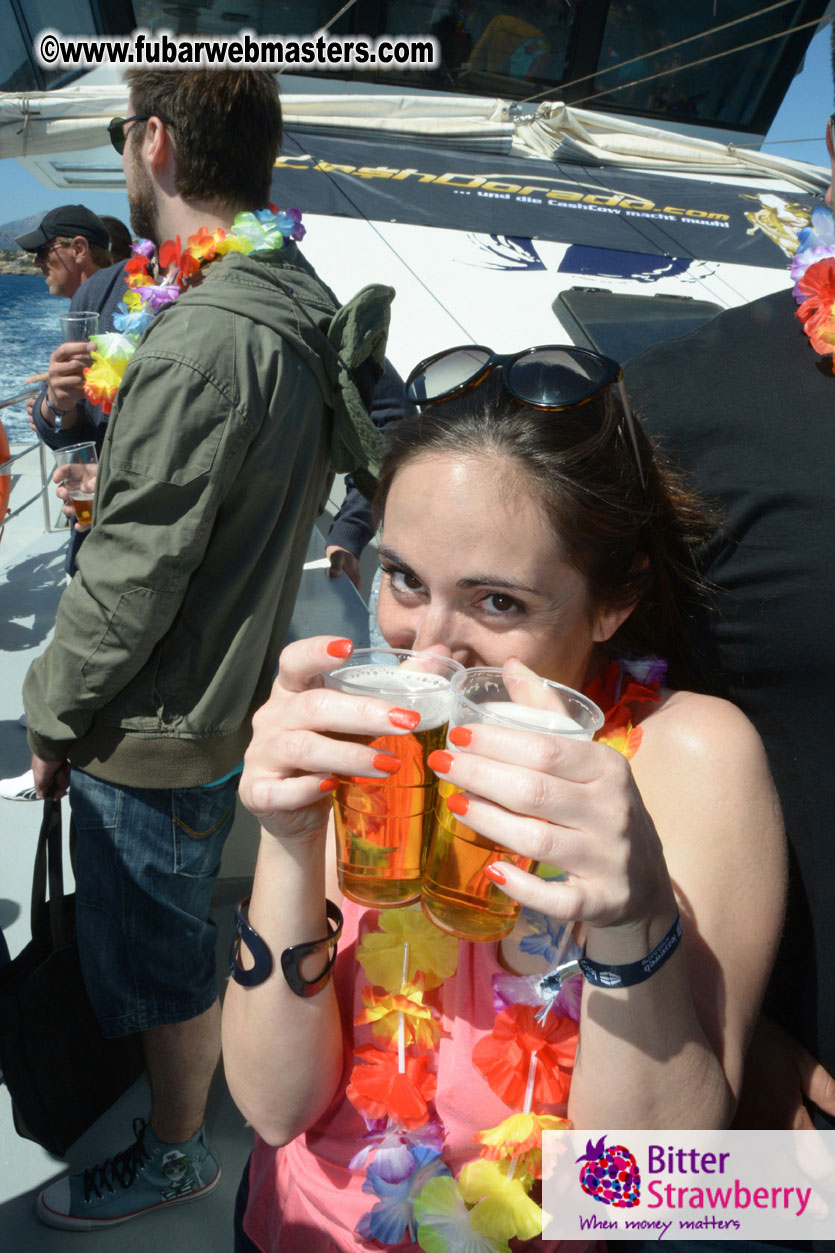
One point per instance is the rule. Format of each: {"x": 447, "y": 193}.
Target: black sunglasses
{"x": 116, "y": 129}
{"x": 551, "y": 377}
{"x": 46, "y": 250}
{"x": 832, "y": 130}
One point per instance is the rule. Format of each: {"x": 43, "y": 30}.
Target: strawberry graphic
{"x": 610, "y": 1175}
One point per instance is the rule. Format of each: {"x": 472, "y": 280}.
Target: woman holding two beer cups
{"x": 405, "y": 1074}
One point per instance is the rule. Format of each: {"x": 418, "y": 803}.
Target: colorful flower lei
{"x": 527, "y": 1059}
{"x": 264, "y": 230}
{"x": 813, "y": 271}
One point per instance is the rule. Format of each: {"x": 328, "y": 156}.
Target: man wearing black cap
{"x": 71, "y": 249}
{"x": 70, "y": 244}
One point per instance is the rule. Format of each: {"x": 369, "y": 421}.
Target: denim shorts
{"x": 146, "y": 864}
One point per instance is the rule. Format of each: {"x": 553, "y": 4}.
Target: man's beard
{"x": 142, "y": 204}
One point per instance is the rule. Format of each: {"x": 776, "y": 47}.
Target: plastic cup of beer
{"x": 382, "y": 825}
{"x": 457, "y": 895}
{"x": 79, "y": 326}
{"x": 80, "y": 477}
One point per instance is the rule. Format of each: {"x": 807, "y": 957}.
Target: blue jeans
{"x": 146, "y": 864}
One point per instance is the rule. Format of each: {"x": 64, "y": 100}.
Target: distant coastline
{"x": 16, "y": 261}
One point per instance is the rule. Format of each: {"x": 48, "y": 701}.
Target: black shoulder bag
{"x": 61, "y": 1070}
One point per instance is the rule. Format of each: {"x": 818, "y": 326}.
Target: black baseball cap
{"x": 70, "y": 219}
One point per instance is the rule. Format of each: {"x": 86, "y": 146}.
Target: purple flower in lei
{"x": 143, "y": 248}
{"x": 525, "y": 990}
{"x": 391, "y": 1147}
{"x": 646, "y": 668}
{"x": 157, "y": 298}
{"x": 290, "y": 223}
{"x": 393, "y": 1215}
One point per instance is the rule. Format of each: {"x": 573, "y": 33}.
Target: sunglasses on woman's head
{"x": 116, "y": 129}
{"x": 551, "y": 377}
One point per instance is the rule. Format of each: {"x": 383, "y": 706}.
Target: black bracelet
{"x": 290, "y": 958}
{"x": 633, "y": 972}
{"x": 261, "y": 955}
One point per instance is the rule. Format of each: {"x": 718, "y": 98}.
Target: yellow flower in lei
{"x": 383, "y": 1011}
{"x": 445, "y": 1222}
{"x": 501, "y": 1205}
{"x": 110, "y": 360}
{"x": 520, "y": 1136}
{"x": 431, "y": 951}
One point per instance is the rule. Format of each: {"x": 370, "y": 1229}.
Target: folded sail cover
{"x": 600, "y": 207}
{"x": 470, "y": 163}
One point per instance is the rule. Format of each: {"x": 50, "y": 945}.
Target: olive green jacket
{"x": 216, "y": 462}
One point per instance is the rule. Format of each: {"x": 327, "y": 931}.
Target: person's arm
{"x": 780, "y": 1078}
{"x": 714, "y": 847}
{"x": 64, "y": 390}
{"x": 81, "y": 429}
{"x": 157, "y": 496}
{"x": 685, "y": 1031}
{"x": 283, "y": 1054}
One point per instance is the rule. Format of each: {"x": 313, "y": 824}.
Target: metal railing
{"x": 6, "y": 466}
{"x": 40, "y": 494}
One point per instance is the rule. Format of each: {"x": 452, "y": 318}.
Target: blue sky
{"x": 799, "y": 125}
{"x": 808, "y": 103}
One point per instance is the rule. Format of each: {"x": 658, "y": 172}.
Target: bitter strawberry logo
{"x": 610, "y": 1175}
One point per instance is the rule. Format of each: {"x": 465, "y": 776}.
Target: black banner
{"x": 597, "y": 207}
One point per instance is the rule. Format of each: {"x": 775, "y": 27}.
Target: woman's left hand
{"x": 569, "y": 804}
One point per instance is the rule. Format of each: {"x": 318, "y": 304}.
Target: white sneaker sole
{"x": 20, "y": 789}
{"x": 69, "y": 1222}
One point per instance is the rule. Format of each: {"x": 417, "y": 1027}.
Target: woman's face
{"x": 470, "y": 561}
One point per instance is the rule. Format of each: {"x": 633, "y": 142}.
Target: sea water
{"x": 29, "y": 331}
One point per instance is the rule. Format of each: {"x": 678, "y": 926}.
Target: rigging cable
{"x": 716, "y": 56}
{"x": 712, "y": 30}
{"x": 364, "y": 217}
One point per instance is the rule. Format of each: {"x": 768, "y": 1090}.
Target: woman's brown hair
{"x": 633, "y": 543}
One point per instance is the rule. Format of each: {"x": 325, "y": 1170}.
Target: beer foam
{"x": 428, "y": 693}
{"x": 553, "y": 720}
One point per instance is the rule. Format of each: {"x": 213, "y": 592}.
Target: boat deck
{"x": 31, "y": 582}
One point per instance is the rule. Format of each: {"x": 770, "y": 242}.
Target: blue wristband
{"x": 628, "y": 975}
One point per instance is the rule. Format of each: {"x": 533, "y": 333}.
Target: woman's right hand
{"x": 301, "y": 740}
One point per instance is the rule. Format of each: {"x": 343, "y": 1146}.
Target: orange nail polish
{"x": 457, "y": 804}
{"x": 496, "y": 874}
{"x": 440, "y": 760}
{"x": 406, "y": 719}
{"x": 461, "y": 737}
{"x": 340, "y": 648}
{"x": 386, "y": 762}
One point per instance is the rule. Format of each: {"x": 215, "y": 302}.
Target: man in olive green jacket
{"x": 215, "y": 464}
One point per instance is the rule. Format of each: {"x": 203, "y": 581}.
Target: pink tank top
{"x": 303, "y": 1198}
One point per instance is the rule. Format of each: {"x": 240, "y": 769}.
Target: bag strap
{"x": 49, "y": 868}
